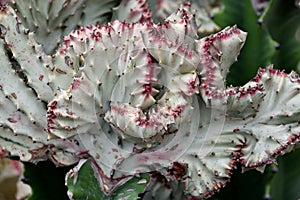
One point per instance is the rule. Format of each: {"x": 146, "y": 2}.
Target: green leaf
{"x": 282, "y": 19}
{"x": 259, "y": 48}
{"x": 132, "y": 188}
{"x": 85, "y": 186}
{"x": 285, "y": 184}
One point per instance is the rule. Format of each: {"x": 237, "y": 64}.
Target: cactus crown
{"x": 134, "y": 96}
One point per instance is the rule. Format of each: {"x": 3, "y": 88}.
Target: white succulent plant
{"x": 137, "y": 97}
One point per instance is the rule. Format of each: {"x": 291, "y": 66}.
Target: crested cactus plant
{"x": 205, "y": 10}
{"x": 133, "y": 97}
{"x": 51, "y": 20}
